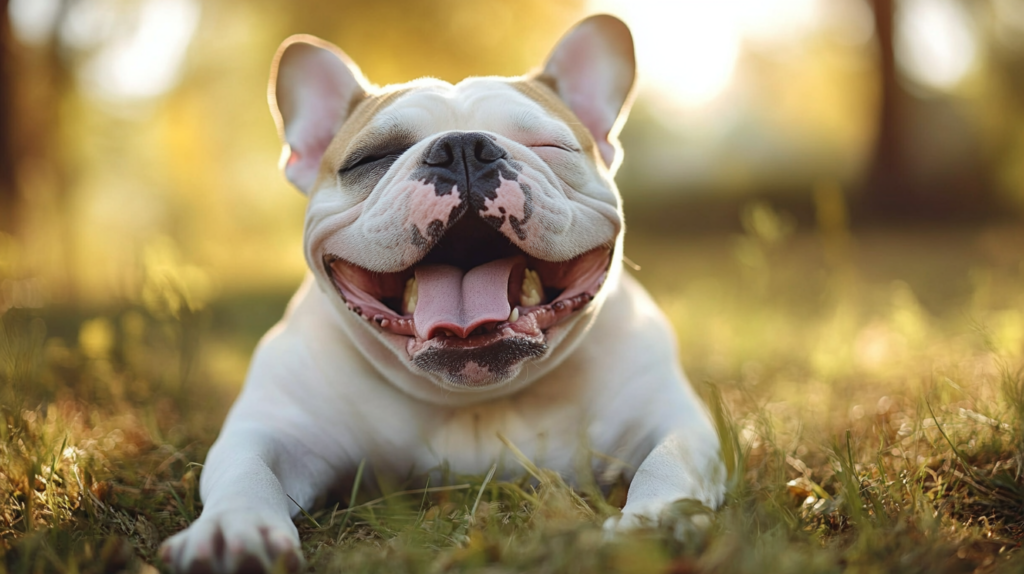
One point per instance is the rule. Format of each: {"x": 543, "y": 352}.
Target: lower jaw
{"x": 497, "y": 356}
{"x": 490, "y": 363}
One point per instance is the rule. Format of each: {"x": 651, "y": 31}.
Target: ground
{"x": 868, "y": 389}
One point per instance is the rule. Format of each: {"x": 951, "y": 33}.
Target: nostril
{"x": 440, "y": 155}
{"x": 484, "y": 150}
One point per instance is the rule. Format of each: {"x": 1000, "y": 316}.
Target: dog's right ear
{"x": 593, "y": 69}
{"x": 313, "y": 85}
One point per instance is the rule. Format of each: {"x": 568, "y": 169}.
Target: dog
{"x": 466, "y": 283}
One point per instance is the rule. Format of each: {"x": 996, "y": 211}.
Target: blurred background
{"x": 824, "y": 196}
{"x": 138, "y": 160}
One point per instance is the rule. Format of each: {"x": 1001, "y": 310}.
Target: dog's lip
{"x": 353, "y": 282}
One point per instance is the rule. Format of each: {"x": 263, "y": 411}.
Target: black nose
{"x": 471, "y": 151}
{"x": 470, "y": 162}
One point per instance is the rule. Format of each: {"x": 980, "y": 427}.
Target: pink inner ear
{"x": 597, "y": 119}
{"x": 316, "y": 115}
{"x": 302, "y": 168}
{"x": 593, "y": 68}
{"x": 607, "y": 151}
{"x": 308, "y": 137}
{"x": 314, "y": 86}
{"x": 299, "y": 172}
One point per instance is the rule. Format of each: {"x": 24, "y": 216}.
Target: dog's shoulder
{"x": 307, "y": 335}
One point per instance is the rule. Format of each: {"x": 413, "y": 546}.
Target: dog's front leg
{"x": 246, "y": 521}
{"x": 685, "y": 465}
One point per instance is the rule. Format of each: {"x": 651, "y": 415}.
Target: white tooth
{"x": 410, "y": 296}
{"x": 532, "y": 289}
{"x": 514, "y": 315}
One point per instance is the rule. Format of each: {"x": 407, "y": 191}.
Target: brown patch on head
{"x": 542, "y": 89}
{"x": 362, "y": 110}
{"x": 547, "y": 80}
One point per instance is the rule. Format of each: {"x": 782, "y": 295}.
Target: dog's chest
{"x": 551, "y": 431}
{"x": 470, "y": 439}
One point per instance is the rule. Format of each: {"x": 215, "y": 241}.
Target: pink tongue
{"x": 450, "y": 299}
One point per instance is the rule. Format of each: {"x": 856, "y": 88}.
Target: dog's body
{"x": 465, "y": 247}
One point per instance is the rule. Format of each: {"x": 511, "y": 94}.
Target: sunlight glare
{"x": 145, "y": 62}
{"x": 775, "y": 21}
{"x": 32, "y": 20}
{"x": 850, "y": 22}
{"x": 688, "y": 50}
{"x": 935, "y": 44}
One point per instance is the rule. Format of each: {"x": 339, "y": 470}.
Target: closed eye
{"x": 555, "y": 146}
{"x": 357, "y": 161}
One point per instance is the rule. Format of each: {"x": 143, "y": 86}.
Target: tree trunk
{"x": 888, "y": 186}
{"x": 909, "y": 177}
{"x": 9, "y": 194}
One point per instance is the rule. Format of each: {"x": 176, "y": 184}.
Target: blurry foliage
{"x": 171, "y": 288}
{"x": 106, "y": 178}
{"x": 397, "y": 41}
{"x": 794, "y": 116}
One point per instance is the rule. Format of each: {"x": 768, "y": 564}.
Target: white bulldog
{"x": 465, "y": 243}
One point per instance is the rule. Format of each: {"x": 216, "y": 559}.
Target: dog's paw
{"x": 635, "y": 517}
{"x": 688, "y": 518}
{"x": 234, "y": 542}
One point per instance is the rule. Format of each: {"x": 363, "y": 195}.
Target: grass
{"x": 869, "y": 392}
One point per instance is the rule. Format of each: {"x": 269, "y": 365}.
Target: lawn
{"x": 868, "y": 389}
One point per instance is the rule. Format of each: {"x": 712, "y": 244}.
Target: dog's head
{"x": 470, "y": 228}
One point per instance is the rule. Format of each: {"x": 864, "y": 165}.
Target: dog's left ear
{"x": 593, "y": 70}
{"x": 313, "y": 85}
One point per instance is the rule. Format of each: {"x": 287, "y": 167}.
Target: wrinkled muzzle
{"x": 467, "y": 281}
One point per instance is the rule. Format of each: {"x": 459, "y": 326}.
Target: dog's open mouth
{"x": 473, "y": 289}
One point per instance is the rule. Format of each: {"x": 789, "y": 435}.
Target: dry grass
{"x": 868, "y": 390}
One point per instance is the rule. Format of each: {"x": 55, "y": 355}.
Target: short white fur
{"x": 326, "y": 391}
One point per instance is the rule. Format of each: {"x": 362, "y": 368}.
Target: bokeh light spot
{"x": 144, "y": 63}
{"x": 935, "y": 42}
